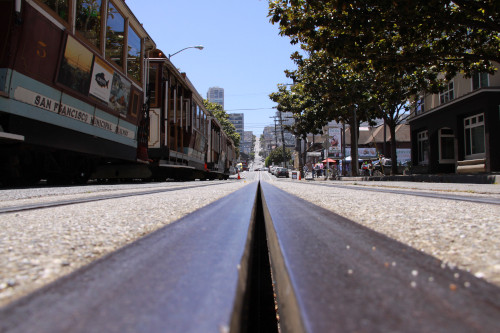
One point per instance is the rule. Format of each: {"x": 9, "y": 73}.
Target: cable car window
{"x": 88, "y": 20}
{"x": 61, "y": 7}
{"x": 115, "y": 34}
{"x": 134, "y": 55}
{"x": 153, "y": 89}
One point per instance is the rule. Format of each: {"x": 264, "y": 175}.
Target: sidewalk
{"x": 444, "y": 178}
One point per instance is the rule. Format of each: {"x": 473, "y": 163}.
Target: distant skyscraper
{"x": 216, "y": 95}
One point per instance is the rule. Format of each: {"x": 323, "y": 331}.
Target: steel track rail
{"x": 190, "y": 276}
{"x": 455, "y": 197}
{"x": 59, "y": 203}
{"x": 334, "y": 275}
{"x": 209, "y": 272}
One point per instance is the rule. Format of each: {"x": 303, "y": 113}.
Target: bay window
{"x": 479, "y": 80}
{"x": 448, "y": 94}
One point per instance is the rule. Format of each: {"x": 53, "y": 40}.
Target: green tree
{"x": 218, "y": 111}
{"x": 276, "y": 156}
{"x": 327, "y": 89}
{"x": 446, "y": 36}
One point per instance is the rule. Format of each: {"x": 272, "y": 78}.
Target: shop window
{"x": 115, "y": 34}
{"x": 60, "y": 7}
{"x": 479, "y": 80}
{"x": 423, "y": 148}
{"x": 446, "y": 146}
{"x": 474, "y": 136}
{"x": 448, "y": 94}
{"x": 134, "y": 61}
{"x": 88, "y": 20}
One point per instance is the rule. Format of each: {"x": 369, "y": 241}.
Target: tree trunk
{"x": 354, "y": 145}
{"x": 394, "y": 157}
{"x": 304, "y": 155}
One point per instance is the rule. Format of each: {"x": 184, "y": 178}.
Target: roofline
{"x": 455, "y": 101}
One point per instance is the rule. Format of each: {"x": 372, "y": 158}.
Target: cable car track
{"x": 208, "y": 272}
{"x": 59, "y": 203}
{"x": 455, "y": 197}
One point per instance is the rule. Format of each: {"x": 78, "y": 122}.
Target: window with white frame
{"x": 479, "y": 80}
{"x": 423, "y": 147}
{"x": 474, "y": 136}
{"x": 419, "y": 105}
{"x": 448, "y": 94}
{"x": 446, "y": 146}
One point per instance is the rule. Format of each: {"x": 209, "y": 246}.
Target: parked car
{"x": 282, "y": 172}
{"x": 387, "y": 167}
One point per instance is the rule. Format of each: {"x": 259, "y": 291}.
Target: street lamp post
{"x": 199, "y": 47}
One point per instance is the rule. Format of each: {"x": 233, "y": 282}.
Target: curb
{"x": 467, "y": 179}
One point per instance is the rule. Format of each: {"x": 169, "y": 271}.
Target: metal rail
{"x": 209, "y": 272}
{"x": 58, "y": 203}
{"x": 334, "y": 275}
{"x": 190, "y": 276}
{"x": 456, "y": 197}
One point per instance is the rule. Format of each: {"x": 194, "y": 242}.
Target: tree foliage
{"x": 368, "y": 59}
{"x": 276, "y": 156}
{"x": 450, "y": 36}
{"x": 218, "y": 111}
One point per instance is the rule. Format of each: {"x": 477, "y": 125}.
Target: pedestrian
{"x": 317, "y": 170}
{"x": 364, "y": 167}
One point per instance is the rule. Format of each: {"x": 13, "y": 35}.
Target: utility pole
{"x": 343, "y": 150}
{"x": 275, "y": 131}
{"x": 283, "y": 140}
{"x": 354, "y": 145}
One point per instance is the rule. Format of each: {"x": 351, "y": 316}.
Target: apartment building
{"x": 458, "y": 130}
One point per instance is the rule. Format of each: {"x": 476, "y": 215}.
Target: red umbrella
{"x": 328, "y": 160}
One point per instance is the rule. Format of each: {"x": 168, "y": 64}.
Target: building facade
{"x": 458, "y": 130}
{"x": 216, "y": 95}
{"x": 238, "y": 120}
{"x": 246, "y": 145}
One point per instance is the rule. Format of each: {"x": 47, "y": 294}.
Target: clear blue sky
{"x": 244, "y": 53}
